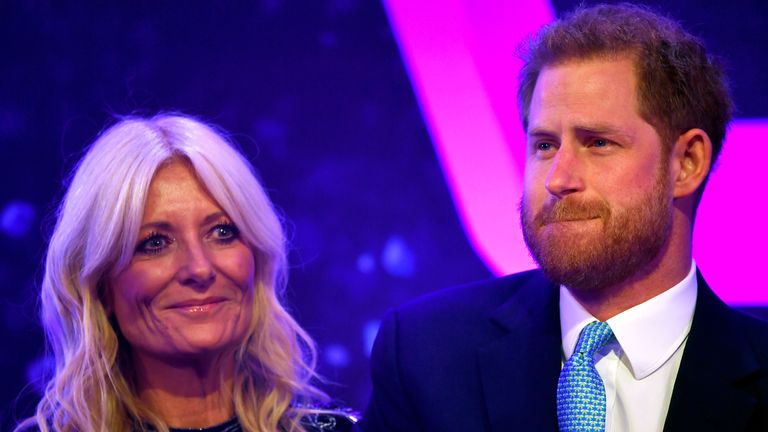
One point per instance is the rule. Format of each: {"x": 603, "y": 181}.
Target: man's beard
{"x": 630, "y": 239}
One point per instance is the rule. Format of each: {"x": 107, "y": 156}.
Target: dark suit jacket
{"x": 486, "y": 357}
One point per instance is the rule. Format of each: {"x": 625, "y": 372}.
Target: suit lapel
{"x": 717, "y": 368}
{"x": 519, "y": 370}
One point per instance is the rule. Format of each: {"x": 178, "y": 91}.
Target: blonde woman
{"x": 161, "y": 293}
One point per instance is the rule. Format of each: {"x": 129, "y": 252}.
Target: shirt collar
{"x": 648, "y": 333}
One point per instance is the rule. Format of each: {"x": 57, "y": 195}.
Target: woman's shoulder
{"x": 329, "y": 419}
{"x": 315, "y": 419}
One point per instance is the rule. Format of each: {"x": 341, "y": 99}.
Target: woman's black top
{"x": 315, "y": 421}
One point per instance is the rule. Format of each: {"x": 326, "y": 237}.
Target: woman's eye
{"x": 153, "y": 244}
{"x": 225, "y": 233}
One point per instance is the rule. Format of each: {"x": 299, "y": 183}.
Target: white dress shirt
{"x": 639, "y": 365}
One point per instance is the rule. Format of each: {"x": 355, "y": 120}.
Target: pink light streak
{"x": 460, "y": 57}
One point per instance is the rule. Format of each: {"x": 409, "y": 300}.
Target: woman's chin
{"x": 194, "y": 347}
{"x": 202, "y": 344}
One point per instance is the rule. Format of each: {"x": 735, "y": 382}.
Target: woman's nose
{"x": 196, "y": 268}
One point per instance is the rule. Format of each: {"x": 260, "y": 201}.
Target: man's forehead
{"x": 628, "y": 62}
{"x": 631, "y": 54}
{"x": 594, "y": 91}
{"x": 624, "y": 66}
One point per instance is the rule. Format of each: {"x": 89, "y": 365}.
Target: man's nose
{"x": 565, "y": 173}
{"x": 196, "y": 269}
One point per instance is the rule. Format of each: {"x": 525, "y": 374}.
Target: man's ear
{"x": 691, "y": 159}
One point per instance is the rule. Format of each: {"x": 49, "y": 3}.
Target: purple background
{"x": 315, "y": 93}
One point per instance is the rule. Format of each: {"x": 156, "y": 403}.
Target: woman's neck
{"x": 186, "y": 394}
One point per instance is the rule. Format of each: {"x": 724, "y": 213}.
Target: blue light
{"x": 269, "y": 130}
{"x": 336, "y": 355}
{"x": 17, "y": 218}
{"x": 39, "y": 372}
{"x": 366, "y": 263}
{"x": 397, "y": 258}
{"x": 370, "y": 330}
{"x": 328, "y": 39}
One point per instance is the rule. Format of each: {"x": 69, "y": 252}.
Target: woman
{"x": 160, "y": 298}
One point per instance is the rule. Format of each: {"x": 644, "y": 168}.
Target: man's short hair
{"x": 680, "y": 87}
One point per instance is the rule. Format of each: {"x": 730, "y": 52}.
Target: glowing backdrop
{"x": 460, "y": 57}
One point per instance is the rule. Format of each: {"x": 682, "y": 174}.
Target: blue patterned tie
{"x": 580, "y": 391}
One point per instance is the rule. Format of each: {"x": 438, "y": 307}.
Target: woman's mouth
{"x": 198, "y": 306}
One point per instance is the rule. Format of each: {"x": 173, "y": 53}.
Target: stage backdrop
{"x": 351, "y": 141}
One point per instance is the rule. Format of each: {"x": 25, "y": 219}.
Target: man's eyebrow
{"x": 603, "y": 129}
{"x": 541, "y": 133}
{"x": 590, "y": 129}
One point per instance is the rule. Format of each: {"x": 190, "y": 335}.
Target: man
{"x": 624, "y": 114}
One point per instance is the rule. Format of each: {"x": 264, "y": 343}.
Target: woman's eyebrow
{"x": 161, "y": 225}
{"x": 213, "y": 216}
{"x": 167, "y": 226}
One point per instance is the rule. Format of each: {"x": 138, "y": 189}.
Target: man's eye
{"x": 153, "y": 244}
{"x": 544, "y": 146}
{"x": 225, "y": 232}
{"x": 600, "y": 143}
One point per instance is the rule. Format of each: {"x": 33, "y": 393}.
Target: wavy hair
{"x": 94, "y": 237}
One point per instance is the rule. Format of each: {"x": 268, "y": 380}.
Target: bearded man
{"x": 625, "y": 114}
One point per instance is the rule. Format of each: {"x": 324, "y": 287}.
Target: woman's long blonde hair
{"x": 95, "y": 234}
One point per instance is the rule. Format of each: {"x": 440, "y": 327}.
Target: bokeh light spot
{"x": 39, "y": 371}
{"x": 17, "y": 218}
{"x": 366, "y": 264}
{"x": 336, "y": 355}
{"x": 397, "y": 258}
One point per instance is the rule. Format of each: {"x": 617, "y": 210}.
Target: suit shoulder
{"x": 755, "y": 329}
{"x": 473, "y": 297}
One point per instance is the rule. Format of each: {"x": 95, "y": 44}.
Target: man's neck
{"x": 668, "y": 269}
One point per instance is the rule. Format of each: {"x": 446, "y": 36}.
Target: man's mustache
{"x": 564, "y": 210}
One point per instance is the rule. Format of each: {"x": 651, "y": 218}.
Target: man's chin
{"x": 578, "y": 258}
{"x": 579, "y": 279}
{"x": 566, "y": 231}
{"x": 570, "y": 240}
{"x": 573, "y": 264}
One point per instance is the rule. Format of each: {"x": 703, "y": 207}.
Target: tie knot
{"x": 595, "y": 335}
